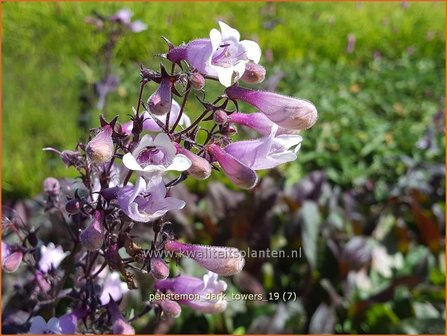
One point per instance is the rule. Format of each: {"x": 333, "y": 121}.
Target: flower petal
{"x": 38, "y": 325}
{"x": 180, "y": 163}
{"x": 229, "y": 33}
{"x": 252, "y": 50}
{"x": 216, "y": 38}
{"x": 131, "y": 163}
{"x": 225, "y": 75}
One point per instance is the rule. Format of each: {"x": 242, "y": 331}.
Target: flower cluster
{"x": 127, "y": 169}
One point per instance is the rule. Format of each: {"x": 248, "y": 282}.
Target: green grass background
{"x": 370, "y": 111}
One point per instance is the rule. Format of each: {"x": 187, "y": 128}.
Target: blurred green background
{"x": 373, "y": 103}
{"x": 371, "y": 171}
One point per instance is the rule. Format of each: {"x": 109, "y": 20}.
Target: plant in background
{"x": 127, "y": 170}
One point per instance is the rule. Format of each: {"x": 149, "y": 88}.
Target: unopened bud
{"x": 71, "y": 158}
{"x": 220, "y": 117}
{"x": 73, "y": 206}
{"x": 51, "y": 186}
{"x": 161, "y": 101}
{"x": 229, "y": 130}
{"x": 170, "y": 308}
{"x": 92, "y": 237}
{"x": 197, "y": 80}
{"x": 10, "y": 259}
{"x": 200, "y": 167}
{"x": 159, "y": 269}
{"x": 100, "y": 148}
{"x": 254, "y": 73}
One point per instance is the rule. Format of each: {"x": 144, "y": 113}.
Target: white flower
{"x": 155, "y": 156}
{"x": 51, "y": 257}
{"x": 383, "y": 263}
{"x": 230, "y": 55}
{"x": 112, "y": 287}
{"x": 39, "y": 326}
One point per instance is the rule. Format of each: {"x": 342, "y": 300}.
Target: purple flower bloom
{"x": 10, "y": 259}
{"x": 69, "y": 321}
{"x": 51, "y": 257}
{"x": 92, "y": 237}
{"x": 155, "y": 156}
{"x": 170, "y": 308}
{"x": 257, "y": 121}
{"x": 254, "y": 73}
{"x": 209, "y": 291}
{"x": 122, "y": 16}
{"x": 159, "y": 269}
{"x": 39, "y": 326}
{"x": 284, "y": 111}
{"x": 147, "y": 201}
{"x": 351, "y": 44}
{"x": 51, "y": 186}
{"x": 100, "y": 149}
{"x": 266, "y": 152}
{"x": 149, "y": 124}
{"x": 224, "y": 261}
{"x": 222, "y": 56}
{"x": 112, "y": 287}
{"x": 237, "y": 172}
{"x": 119, "y": 324}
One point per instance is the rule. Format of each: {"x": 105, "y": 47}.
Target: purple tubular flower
{"x": 237, "y": 172}
{"x": 223, "y": 261}
{"x": 92, "y": 237}
{"x": 11, "y": 259}
{"x": 208, "y": 290}
{"x": 257, "y": 121}
{"x": 113, "y": 289}
{"x": 147, "y": 200}
{"x": 119, "y": 324}
{"x": 100, "y": 149}
{"x": 200, "y": 168}
{"x": 160, "y": 102}
{"x": 266, "y": 152}
{"x": 287, "y": 112}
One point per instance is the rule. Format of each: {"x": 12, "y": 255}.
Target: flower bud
{"x": 92, "y": 237}
{"x": 224, "y": 261}
{"x": 197, "y": 80}
{"x": 284, "y": 111}
{"x": 200, "y": 167}
{"x": 229, "y": 130}
{"x": 254, "y": 73}
{"x": 10, "y": 259}
{"x": 237, "y": 172}
{"x": 51, "y": 186}
{"x": 159, "y": 269}
{"x": 220, "y": 117}
{"x": 170, "y": 308}
{"x": 161, "y": 101}
{"x": 73, "y": 206}
{"x": 100, "y": 149}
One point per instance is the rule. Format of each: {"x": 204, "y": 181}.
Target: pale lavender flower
{"x": 351, "y": 44}
{"x": 112, "y": 287}
{"x": 223, "y": 56}
{"x": 69, "y": 321}
{"x": 257, "y": 121}
{"x": 266, "y": 152}
{"x": 92, "y": 237}
{"x": 123, "y": 16}
{"x": 239, "y": 173}
{"x": 137, "y": 26}
{"x": 155, "y": 156}
{"x": 287, "y": 112}
{"x": 210, "y": 291}
{"x": 221, "y": 260}
{"x": 51, "y": 257}
{"x": 100, "y": 149}
{"x": 51, "y": 186}
{"x": 119, "y": 325}
{"x": 11, "y": 259}
{"x": 147, "y": 200}
{"x": 39, "y": 326}
{"x": 151, "y": 125}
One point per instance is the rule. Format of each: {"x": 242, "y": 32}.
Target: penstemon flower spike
{"x": 128, "y": 169}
